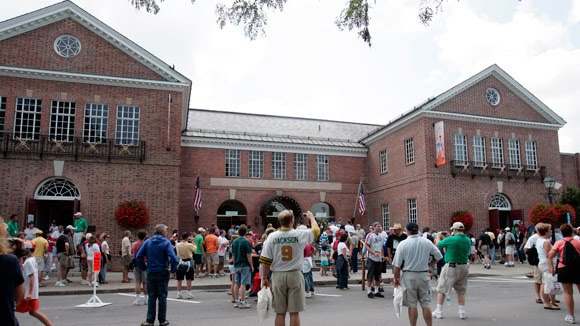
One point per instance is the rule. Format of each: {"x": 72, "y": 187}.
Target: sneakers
{"x": 438, "y": 314}
{"x": 137, "y": 301}
{"x": 237, "y": 304}
{"x": 164, "y": 323}
{"x": 46, "y": 277}
{"x": 59, "y": 283}
{"x": 371, "y": 295}
{"x": 312, "y": 293}
{"x": 570, "y": 319}
{"x": 244, "y": 305}
{"x": 179, "y": 295}
{"x": 379, "y": 295}
{"x": 85, "y": 282}
{"x": 462, "y": 315}
{"x": 189, "y": 295}
{"x": 308, "y": 295}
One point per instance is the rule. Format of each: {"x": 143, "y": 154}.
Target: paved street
{"x": 492, "y": 300}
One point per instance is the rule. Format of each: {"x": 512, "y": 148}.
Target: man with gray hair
{"x": 161, "y": 260}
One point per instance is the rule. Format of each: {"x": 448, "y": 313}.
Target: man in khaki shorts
{"x": 454, "y": 273}
{"x": 283, "y": 253}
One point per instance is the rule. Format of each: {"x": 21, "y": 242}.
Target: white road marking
{"x": 168, "y": 299}
{"x": 327, "y": 295}
{"x": 495, "y": 279}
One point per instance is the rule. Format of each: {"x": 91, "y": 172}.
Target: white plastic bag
{"x": 399, "y": 294}
{"x": 551, "y": 284}
{"x": 264, "y": 306}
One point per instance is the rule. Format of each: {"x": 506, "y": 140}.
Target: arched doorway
{"x": 55, "y": 199}
{"x": 500, "y": 209}
{"x": 274, "y": 205}
{"x": 323, "y": 210}
{"x": 231, "y": 212}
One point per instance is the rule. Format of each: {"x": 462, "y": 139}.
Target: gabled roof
{"x": 428, "y": 107}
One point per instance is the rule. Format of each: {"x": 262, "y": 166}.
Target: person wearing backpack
{"x": 568, "y": 265}
{"x": 533, "y": 260}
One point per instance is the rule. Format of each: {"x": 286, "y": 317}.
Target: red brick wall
{"x": 570, "y": 167}
{"x": 35, "y": 49}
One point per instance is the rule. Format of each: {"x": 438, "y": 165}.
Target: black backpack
{"x": 570, "y": 256}
{"x": 532, "y": 254}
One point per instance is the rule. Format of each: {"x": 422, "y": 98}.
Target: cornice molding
{"x": 275, "y": 184}
{"x": 490, "y": 120}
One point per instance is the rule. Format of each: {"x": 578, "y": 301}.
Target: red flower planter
{"x": 132, "y": 214}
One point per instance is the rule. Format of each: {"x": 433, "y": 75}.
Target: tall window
{"x": 62, "y": 120}
{"x": 409, "y": 151}
{"x": 412, "y": 205}
{"x": 232, "y": 162}
{"x": 322, "y": 168}
{"x": 385, "y": 215}
{"x": 96, "y": 123}
{"x": 383, "y": 161}
{"x": 278, "y": 165}
{"x": 301, "y": 166}
{"x": 460, "y": 149}
{"x": 496, "y": 152}
{"x": 127, "y": 125}
{"x": 531, "y": 155}
{"x": 514, "y": 153}
{"x": 27, "y": 119}
{"x": 2, "y": 115}
{"x": 256, "y": 160}
{"x": 478, "y": 151}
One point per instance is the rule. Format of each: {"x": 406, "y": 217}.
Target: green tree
{"x": 571, "y": 196}
{"x": 252, "y": 14}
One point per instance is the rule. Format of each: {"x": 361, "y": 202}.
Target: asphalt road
{"x": 490, "y": 301}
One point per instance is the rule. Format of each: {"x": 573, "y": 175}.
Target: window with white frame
{"x": 478, "y": 151}
{"x": 62, "y": 121}
{"x": 27, "y": 118}
{"x": 278, "y": 165}
{"x": 531, "y": 155}
{"x": 322, "y": 168}
{"x": 2, "y": 115}
{"x": 301, "y": 166}
{"x": 96, "y": 123}
{"x": 412, "y": 205}
{"x": 232, "y": 162}
{"x": 385, "y": 215}
{"x": 409, "y": 151}
{"x": 256, "y": 166}
{"x": 383, "y": 161}
{"x": 496, "y": 152}
{"x": 514, "y": 153}
{"x": 460, "y": 149}
{"x": 127, "y": 131}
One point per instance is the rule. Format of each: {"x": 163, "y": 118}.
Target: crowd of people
{"x": 284, "y": 260}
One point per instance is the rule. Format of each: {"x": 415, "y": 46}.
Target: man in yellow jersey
{"x": 283, "y": 253}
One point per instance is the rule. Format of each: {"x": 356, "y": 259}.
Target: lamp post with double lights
{"x": 551, "y": 184}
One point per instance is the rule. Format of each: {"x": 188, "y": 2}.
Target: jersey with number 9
{"x": 285, "y": 248}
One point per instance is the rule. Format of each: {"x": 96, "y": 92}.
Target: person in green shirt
{"x": 199, "y": 251}
{"x": 81, "y": 225}
{"x": 13, "y": 225}
{"x": 456, "y": 270}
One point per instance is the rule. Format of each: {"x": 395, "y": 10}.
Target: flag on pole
{"x": 362, "y": 206}
{"x": 197, "y": 198}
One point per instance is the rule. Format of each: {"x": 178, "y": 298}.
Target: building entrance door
{"x": 55, "y": 199}
{"x": 57, "y": 211}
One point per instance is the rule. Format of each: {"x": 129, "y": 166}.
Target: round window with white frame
{"x": 67, "y": 46}
{"x": 492, "y": 96}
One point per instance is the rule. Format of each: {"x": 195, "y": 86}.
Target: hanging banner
{"x": 440, "y": 143}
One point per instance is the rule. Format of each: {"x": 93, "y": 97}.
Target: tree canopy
{"x": 252, "y": 14}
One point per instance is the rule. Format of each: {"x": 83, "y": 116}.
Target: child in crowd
{"x": 324, "y": 260}
{"x": 31, "y": 304}
{"x": 307, "y": 265}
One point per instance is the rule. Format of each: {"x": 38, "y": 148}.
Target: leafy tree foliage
{"x": 571, "y": 196}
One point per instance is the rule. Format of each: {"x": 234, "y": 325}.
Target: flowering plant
{"x": 553, "y": 214}
{"x": 132, "y": 214}
{"x": 464, "y": 217}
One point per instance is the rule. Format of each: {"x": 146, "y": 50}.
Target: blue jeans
{"x": 308, "y": 281}
{"x": 492, "y": 255}
{"x": 157, "y": 283}
{"x": 354, "y": 260}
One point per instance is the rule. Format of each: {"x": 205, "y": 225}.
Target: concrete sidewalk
{"x": 222, "y": 283}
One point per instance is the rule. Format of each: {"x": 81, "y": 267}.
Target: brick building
{"x": 89, "y": 119}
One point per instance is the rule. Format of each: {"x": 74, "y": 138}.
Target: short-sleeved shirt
{"x": 61, "y": 244}
{"x": 457, "y": 248}
{"x": 185, "y": 250}
{"x": 211, "y": 243}
{"x": 40, "y": 247}
{"x": 222, "y": 246}
{"x": 531, "y": 241}
{"x": 30, "y": 234}
{"x": 354, "y": 240}
{"x": 559, "y": 248}
{"x": 80, "y": 224}
{"x": 198, "y": 242}
{"x": 485, "y": 240}
{"x": 510, "y": 236}
{"x": 11, "y": 276}
{"x": 393, "y": 242}
{"x": 28, "y": 269}
{"x": 124, "y": 244}
{"x": 91, "y": 249}
{"x": 416, "y": 252}
{"x": 376, "y": 243}
{"x": 241, "y": 247}
{"x": 284, "y": 249}
{"x": 13, "y": 228}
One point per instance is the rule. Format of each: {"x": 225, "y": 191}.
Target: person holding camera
{"x": 186, "y": 267}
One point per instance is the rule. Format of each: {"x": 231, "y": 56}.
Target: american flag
{"x": 362, "y": 206}
{"x": 197, "y": 198}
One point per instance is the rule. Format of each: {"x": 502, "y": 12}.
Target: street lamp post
{"x": 551, "y": 184}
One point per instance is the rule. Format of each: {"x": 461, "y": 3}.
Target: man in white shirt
{"x": 536, "y": 274}
{"x": 375, "y": 255}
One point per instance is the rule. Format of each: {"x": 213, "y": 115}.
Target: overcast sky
{"x": 306, "y": 67}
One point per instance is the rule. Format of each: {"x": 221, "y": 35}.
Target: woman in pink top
{"x": 566, "y": 274}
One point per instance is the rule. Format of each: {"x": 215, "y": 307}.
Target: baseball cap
{"x": 398, "y": 226}
{"x": 28, "y": 245}
{"x": 70, "y": 227}
{"x": 507, "y": 229}
{"x": 200, "y": 230}
{"x": 88, "y": 235}
{"x": 412, "y": 226}
{"x": 38, "y": 232}
{"x": 458, "y": 226}
{"x": 78, "y": 214}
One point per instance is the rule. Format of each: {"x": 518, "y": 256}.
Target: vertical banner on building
{"x": 440, "y": 143}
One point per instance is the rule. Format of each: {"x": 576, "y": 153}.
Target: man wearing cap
{"x": 30, "y": 231}
{"x": 199, "y": 251}
{"x": 510, "y": 247}
{"x": 454, "y": 274}
{"x": 375, "y": 254}
{"x": 81, "y": 225}
{"x": 416, "y": 257}
{"x": 393, "y": 241}
{"x": 40, "y": 250}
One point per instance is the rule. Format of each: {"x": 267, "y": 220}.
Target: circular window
{"x": 67, "y": 46}
{"x": 492, "y": 96}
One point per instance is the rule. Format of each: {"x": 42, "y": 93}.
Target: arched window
{"x": 231, "y": 212}
{"x": 57, "y": 189}
{"x": 500, "y": 202}
{"x": 322, "y": 209}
